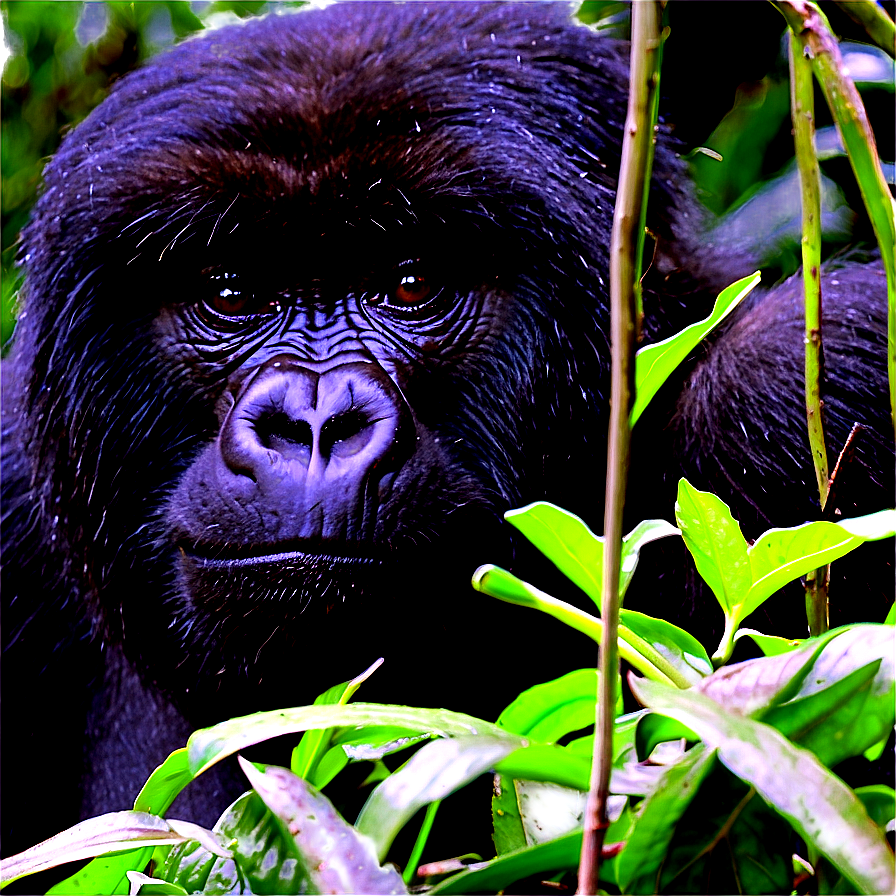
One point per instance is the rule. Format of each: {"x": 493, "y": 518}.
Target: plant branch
{"x": 808, "y": 24}
{"x": 874, "y": 19}
{"x": 625, "y": 264}
{"x": 802, "y": 110}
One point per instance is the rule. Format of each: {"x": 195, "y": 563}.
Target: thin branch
{"x": 625, "y": 264}
{"x": 802, "y": 110}
{"x": 808, "y": 24}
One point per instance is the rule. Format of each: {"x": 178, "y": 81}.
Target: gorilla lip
{"x": 279, "y": 558}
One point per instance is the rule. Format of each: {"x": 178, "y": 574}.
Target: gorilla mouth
{"x": 287, "y": 579}
{"x": 284, "y": 559}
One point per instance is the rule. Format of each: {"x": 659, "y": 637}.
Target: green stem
{"x": 802, "y": 110}
{"x": 625, "y": 275}
{"x": 877, "y": 24}
{"x": 414, "y": 859}
{"x": 498, "y": 583}
{"x": 808, "y": 24}
{"x": 726, "y": 645}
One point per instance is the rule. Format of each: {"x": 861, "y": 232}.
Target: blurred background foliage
{"x": 724, "y": 85}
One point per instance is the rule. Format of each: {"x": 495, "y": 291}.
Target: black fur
{"x": 311, "y": 154}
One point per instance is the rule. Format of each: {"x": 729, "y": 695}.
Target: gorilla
{"x": 309, "y": 303}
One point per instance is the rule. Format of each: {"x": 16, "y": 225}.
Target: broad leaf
{"x": 639, "y": 865}
{"x": 845, "y": 705}
{"x": 106, "y": 875}
{"x": 335, "y": 857}
{"x": 781, "y": 555}
{"x": 821, "y": 808}
{"x": 654, "y": 363}
{"x": 105, "y": 833}
{"x": 770, "y": 645}
{"x": 547, "y": 712}
{"x": 433, "y": 772}
{"x": 568, "y": 542}
{"x": 675, "y": 647}
{"x": 314, "y": 744}
{"x": 210, "y": 745}
{"x": 716, "y": 543}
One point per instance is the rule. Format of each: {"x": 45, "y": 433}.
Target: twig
{"x": 627, "y": 236}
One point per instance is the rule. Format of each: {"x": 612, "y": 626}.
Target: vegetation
{"x": 721, "y": 783}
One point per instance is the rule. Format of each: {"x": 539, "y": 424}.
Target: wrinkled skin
{"x": 309, "y": 304}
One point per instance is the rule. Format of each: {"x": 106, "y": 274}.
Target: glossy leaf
{"x": 335, "y": 857}
{"x": 315, "y": 743}
{"x": 547, "y": 712}
{"x": 568, "y": 542}
{"x": 106, "y": 875}
{"x": 781, "y": 555}
{"x": 716, "y": 543}
{"x": 547, "y": 762}
{"x": 105, "y": 833}
{"x": 678, "y": 648}
{"x": 507, "y": 822}
{"x": 433, "y": 772}
{"x": 845, "y": 705}
{"x": 820, "y": 807}
{"x": 210, "y": 745}
{"x": 770, "y": 645}
{"x": 639, "y": 864}
{"x": 654, "y": 363}
{"x": 144, "y": 885}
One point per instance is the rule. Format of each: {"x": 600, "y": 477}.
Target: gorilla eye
{"x": 413, "y": 288}
{"x": 409, "y": 288}
{"x": 228, "y": 297}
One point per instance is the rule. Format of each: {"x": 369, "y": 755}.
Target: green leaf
{"x": 499, "y": 583}
{"x": 432, "y": 773}
{"x": 561, "y": 854}
{"x": 314, "y": 744}
{"x": 568, "y": 542}
{"x": 770, "y": 645}
{"x": 781, "y": 555}
{"x": 820, "y": 807}
{"x": 152, "y": 886}
{"x": 547, "y": 712}
{"x": 109, "y": 874}
{"x": 336, "y": 858}
{"x": 655, "y": 363}
{"x": 639, "y": 864}
{"x": 716, "y": 543}
{"x": 105, "y": 833}
{"x": 891, "y": 616}
{"x": 507, "y": 821}
{"x": 845, "y": 704}
{"x": 677, "y": 648}
{"x": 210, "y": 745}
{"x": 547, "y": 762}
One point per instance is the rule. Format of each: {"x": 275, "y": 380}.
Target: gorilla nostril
{"x": 344, "y": 435}
{"x": 293, "y": 439}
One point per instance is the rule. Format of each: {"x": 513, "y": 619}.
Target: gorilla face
{"x": 311, "y": 302}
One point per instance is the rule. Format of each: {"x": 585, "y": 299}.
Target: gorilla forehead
{"x": 276, "y": 108}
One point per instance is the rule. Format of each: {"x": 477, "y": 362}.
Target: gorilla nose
{"x": 312, "y": 441}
